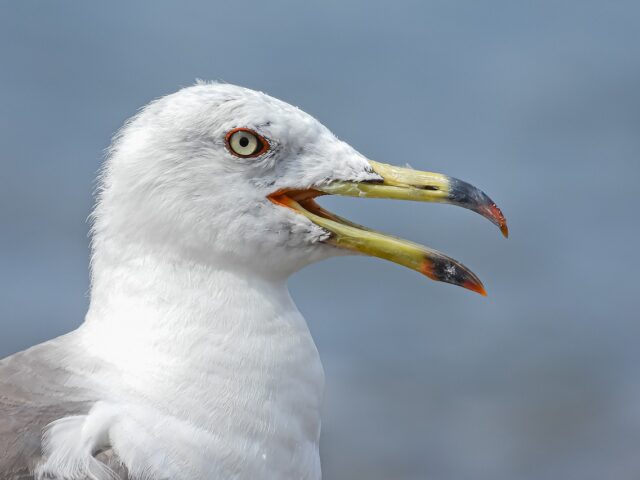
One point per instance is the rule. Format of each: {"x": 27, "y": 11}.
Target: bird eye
{"x": 245, "y": 143}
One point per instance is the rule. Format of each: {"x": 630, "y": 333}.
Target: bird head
{"x": 230, "y": 175}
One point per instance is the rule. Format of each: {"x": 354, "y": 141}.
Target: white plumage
{"x": 193, "y": 361}
{"x": 200, "y": 363}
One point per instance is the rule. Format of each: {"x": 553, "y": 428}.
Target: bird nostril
{"x": 374, "y": 180}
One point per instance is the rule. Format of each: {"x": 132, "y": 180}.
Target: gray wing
{"x": 35, "y": 390}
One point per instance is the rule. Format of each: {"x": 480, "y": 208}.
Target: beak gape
{"x": 400, "y": 184}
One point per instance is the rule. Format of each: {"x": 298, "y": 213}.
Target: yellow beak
{"x": 401, "y": 184}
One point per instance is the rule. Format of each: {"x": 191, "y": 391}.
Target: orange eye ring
{"x": 245, "y": 143}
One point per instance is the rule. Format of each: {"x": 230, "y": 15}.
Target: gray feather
{"x": 36, "y": 388}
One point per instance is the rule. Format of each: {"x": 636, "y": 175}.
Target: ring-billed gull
{"x": 193, "y": 361}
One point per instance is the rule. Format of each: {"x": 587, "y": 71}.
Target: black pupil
{"x": 244, "y": 141}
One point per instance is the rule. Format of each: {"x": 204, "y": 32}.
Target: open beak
{"x": 401, "y": 184}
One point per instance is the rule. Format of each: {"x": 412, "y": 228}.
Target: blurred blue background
{"x": 538, "y": 103}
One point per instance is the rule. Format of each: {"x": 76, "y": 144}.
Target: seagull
{"x": 193, "y": 362}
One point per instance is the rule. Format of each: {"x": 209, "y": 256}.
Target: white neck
{"x": 224, "y": 348}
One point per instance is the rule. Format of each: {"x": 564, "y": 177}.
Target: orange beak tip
{"x": 497, "y": 217}
{"x": 475, "y": 287}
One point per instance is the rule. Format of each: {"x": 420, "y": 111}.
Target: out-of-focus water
{"x": 538, "y": 103}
